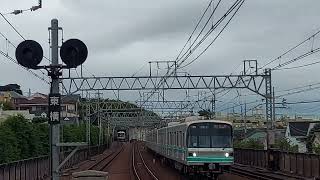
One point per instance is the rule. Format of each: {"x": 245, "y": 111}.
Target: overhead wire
{"x": 291, "y": 49}
{"x": 296, "y": 58}
{"x": 180, "y": 60}
{"x": 296, "y": 67}
{"x": 203, "y": 51}
{"x": 6, "y": 55}
{"x": 194, "y": 30}
{"x": 192, "y": 48}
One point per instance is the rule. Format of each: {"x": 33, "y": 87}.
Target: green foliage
{"x": 39, "y": 120}
{"x": 316, "y": 149}
{"x": 284, "y": 145}
{"x": 9, "y": 150}
{"x": 75, "y": 133}
{"x": 310, "y": 146}
{"x": 25, "y": 133}
{"x": 248, "y": 144}
{"x": 21, "y": 139}
{"x": 205, "y": 113}
{"x": 6, "y": 106}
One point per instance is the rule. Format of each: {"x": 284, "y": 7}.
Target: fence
{"x": 302, "y": 164}
{"x": 38, "y": 168}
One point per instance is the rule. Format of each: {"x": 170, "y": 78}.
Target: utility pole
{"x": 99, "y": 120}
{"x": 54, "y": 128}
{"x": 88, "y": 124}
{"x": 273, "y": 109}
{"x": 245, "y": 118}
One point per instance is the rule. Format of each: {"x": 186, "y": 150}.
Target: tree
{"x": 310, "y": 146}
{"x": 9, "y": 150}
{"x": 27, "y": 139}
{"x": 6, "y": 106}
{"x": 39, "y": 120}
{"x": 248, "y": 144}
{"x": 205, "y": 113}
{"x": 284, "y": 145}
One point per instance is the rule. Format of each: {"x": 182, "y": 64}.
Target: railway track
{"x": 106, "y": 161}
{"x": 259, "y": 175}
{"x": 140, "y": 168}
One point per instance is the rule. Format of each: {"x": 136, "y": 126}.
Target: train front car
{"x": 121, "y": 136}
{"x": 209, "y": 147}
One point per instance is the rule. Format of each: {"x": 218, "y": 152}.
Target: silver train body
{"x": 194, "y": 146}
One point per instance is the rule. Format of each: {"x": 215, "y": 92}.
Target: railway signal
{"x": 73, "y": 53}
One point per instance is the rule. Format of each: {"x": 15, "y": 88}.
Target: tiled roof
{"x": 13, "y": 94}
{"x": 299, "y": 128}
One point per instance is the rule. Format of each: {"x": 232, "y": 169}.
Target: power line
{"x": 303, "y": 102}
{"x": 195, "y": 28}
{"x": 301, "y": 66}
{"x": 6, "y": 55}
{"x": 12, "y": 26}
{"x": 297, "y": 58}
{"x": 169, "y": 73}
{"x": 214, "y": 38}
{"x": 191, "y": 49}
{"x": 33, "y": 73}
{"x": 291, "y": 49}
{"x": 15, "y": 29}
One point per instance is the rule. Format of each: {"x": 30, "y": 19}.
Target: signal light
{"x": 29, "y": 54}
{"x": 73, "y": 53}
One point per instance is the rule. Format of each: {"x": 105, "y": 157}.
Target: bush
{"x": 284, "y": 145}
{"x": 248, "y": 144}
{"x": 316, "y": 149}
{"x": 21, "y": 139}
{"x": 9, "y": 150}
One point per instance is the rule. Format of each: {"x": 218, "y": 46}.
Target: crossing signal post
{"x": 73, "y": 53}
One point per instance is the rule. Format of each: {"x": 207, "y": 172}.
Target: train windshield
{"x": 209, "y": 135}
{"x": 121, "y": 134}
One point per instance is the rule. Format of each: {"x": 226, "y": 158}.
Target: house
{"x": 11, "y": 87}
{"x": 260, "y": 134}
{"x": 38, "y": 105}
{"x": 11, "y": 97}
{"x": 297, "y": 132}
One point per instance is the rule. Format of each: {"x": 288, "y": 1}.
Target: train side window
{"x": 183, "y": 140}
{"x": 178, "y": 138}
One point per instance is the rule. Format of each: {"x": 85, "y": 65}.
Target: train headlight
{"x": 226, "y": 154}
{"x": 194, "y": 154}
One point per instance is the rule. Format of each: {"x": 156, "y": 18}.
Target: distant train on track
{"x": 121, "y": 136}
{"x": 195, "y": 146}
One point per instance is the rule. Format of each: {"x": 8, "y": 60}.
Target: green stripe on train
{"x": 209, "y": 159}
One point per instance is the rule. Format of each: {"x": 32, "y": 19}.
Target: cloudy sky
{"x": 122, "y": 36}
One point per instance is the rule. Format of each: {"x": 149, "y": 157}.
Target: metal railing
{"x": 38, "y": 168}
{"x": 301, "y": 164}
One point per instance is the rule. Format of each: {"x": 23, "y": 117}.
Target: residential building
{"x": 38, "y": 105}
{"x": 297, "y": 132}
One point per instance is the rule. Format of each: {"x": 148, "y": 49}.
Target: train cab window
{"x": 209, "y": 135}
{"x": 204, "y": 141}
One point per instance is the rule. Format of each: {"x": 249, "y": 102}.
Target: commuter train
{"x": 121, "y": 136}
{"x": 195, "y": 146}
